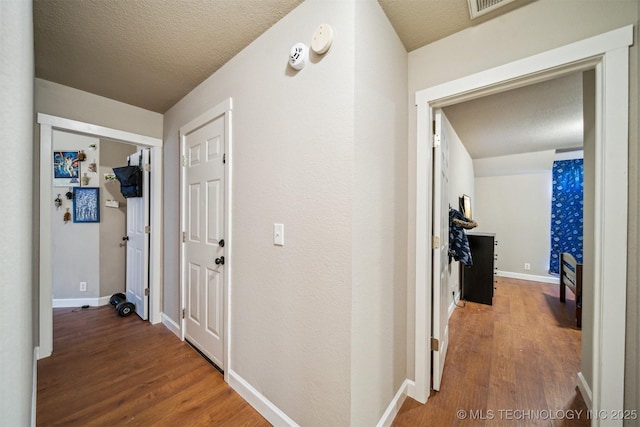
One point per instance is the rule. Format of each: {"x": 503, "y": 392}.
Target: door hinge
{"x": 184, "y": 237}
{"x": 435, "y": 344}
{"x": 224, "y": 158}
{"x": 147, "y": 167}
{"x": 184, "y": 161}
{"x": 436, "y": 140}
{"x": 147, "y": 229}
{"x": 436, "y": 242}
{"x": 146, "y": 292}
{"x": 183, "y": 311}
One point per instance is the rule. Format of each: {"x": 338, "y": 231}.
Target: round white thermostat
{"x": 322, "y": 39}
{"x": 298, "y": 56}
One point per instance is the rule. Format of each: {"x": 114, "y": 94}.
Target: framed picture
{"x": 66, "y": 169}
{"x": 86, "y": 204}
{"x": 465, "y": 206}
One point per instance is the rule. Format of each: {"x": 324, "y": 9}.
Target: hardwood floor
{"x": 513, "y": 363}
{"x": 111, "y": 371}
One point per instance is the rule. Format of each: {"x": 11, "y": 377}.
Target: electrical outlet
{"x": 83, "y": 286}
{"x": 527, "y": 266}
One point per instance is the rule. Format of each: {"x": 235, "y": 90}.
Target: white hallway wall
{"x": 76, "y": 246}
{"x": 518, "y": 209}
{"x": 379, "y": 295}
{"x": 16, "y": 277}
{"x": 63, "y": 101}
{"x": 301, "y": 157}
{"x": 461, "y": 182}
{"x": 292, "y": 161}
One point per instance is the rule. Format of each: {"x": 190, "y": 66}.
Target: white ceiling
{"x": 539, "y": 117}
{"x": 151, "y": 53}
{"x": 147, "y": 53}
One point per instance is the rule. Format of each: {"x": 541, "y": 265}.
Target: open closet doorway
{"x": 88, "y": 248}
{"x": 48, "y": 126}
{"x": 607, "y": 54}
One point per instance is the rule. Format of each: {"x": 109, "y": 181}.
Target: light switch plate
{"x": 278, "y": 234}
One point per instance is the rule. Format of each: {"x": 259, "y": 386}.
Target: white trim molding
{"x": 264, "y": 406}
{"x": 608, "y": 54}
{"x": 528, "y": 277}
{"x": 396, "y": 403}
{"x": 48, "y": 124}
{"x": 79, "y": 302}
{"x": 585, "y": 391}
{"x": 171, "y": 325}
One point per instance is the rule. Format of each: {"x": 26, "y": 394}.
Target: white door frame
{"x": 223, "y": 109}
{"x": 48, "y": 124}
{"x": 608, "y": 53}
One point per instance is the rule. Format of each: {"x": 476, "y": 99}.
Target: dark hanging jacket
{"x": 458, "y": 243}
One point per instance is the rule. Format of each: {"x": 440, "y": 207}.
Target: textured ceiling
{"x": 420, "y": 22}
{"x": 148, "y": 53}
{"x": 151, "y": 53}
{"x": 538, "y": 117}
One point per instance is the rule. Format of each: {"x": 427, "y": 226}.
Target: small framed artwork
{"x": 86, "y": 204}
{"x": 66, "y": 169}
{"x": 465, "y": 206}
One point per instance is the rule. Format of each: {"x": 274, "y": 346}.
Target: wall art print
{"x": 86, "y": 204}
{"x": 66, "y": 169}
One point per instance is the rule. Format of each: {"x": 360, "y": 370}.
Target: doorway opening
{"x": 500, "y": 160}
{"x": 88, "y": 251}
{"x": 49, "y": 124}
{"x": 608, "y": 55}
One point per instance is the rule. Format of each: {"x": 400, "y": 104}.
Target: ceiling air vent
{"x": 480, "y": 7}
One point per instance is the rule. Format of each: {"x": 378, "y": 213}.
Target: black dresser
{"x": 478, "y": 280}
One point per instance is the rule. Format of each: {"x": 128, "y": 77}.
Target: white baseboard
{"x": 395, "y": 405}
{"x": 79, "y": 302}
{"x": 454, "y": 303}
{"x": 171, "y": 325}
{"x": 585, "y": 391}
{"x": 264, "y": 406}
{"x": 529, "y": 277}
{"x": 34, "y": 390}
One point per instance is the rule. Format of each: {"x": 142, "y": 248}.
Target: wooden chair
{"x": 571, "y": 277}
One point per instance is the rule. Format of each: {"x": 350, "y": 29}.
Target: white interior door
{"x": 203, "y": 239}
{"x": 440, "y": 280}
{"x": 137, "y": 276}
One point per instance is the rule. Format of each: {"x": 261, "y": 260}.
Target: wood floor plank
{"x": 512, "y": 363}
{"x": 111, "y": 371}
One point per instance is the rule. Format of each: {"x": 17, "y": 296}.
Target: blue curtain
{"x": 566, "y": 211}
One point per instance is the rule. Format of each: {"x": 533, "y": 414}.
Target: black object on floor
{"x": 123, "y": 307}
